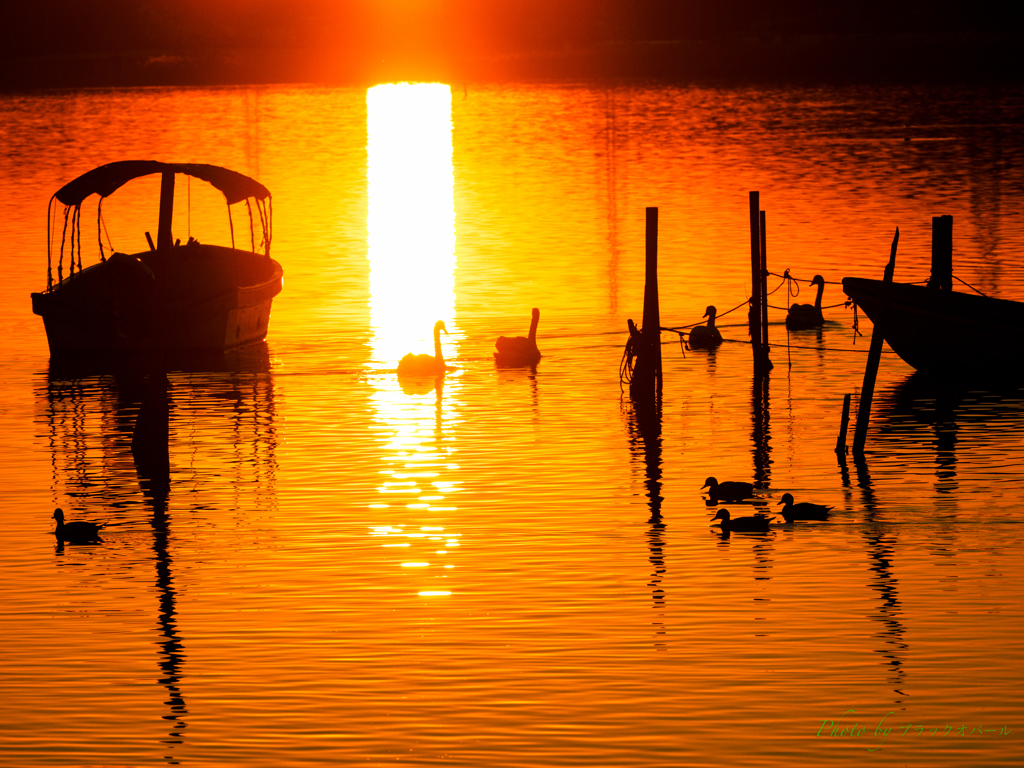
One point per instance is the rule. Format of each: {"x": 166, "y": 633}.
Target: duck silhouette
{"x": 728, "y": 491}
{"x": 754, "y": 524}
{"x": 518, "y": 351}
{"x": 77, "y": 531}
{"x": 706, "y": 336}
{"x": 425, "y": 365}
{"x": 805, "y": 510}
{"x": 807, "y": 315}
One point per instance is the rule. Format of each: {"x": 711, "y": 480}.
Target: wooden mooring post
{"x": 647, "y": 377}
{"x": 942, "y": 253}
{"x": 758, "y": 314}
{"x": 867, "y": 390}
{"x": 841, "y": 440}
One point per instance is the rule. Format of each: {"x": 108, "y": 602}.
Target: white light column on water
{"x": 411, "y": 217}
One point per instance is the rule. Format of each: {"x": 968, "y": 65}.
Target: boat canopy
{"x": 106, "y": 179}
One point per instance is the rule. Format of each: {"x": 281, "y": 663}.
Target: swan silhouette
{"x": 805, "y": 510}
{"x": 755, "y": 524}
{"x": 807, "y": 315}
{"x": 515, "y": 351}
{"x": 706, "y": 336}
{"x": 77, "y": 531}
{"x": 425, "y": 365}
{"x": 728, "y": 491}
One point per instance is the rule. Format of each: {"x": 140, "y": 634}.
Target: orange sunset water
{"x": 507, "y": 567}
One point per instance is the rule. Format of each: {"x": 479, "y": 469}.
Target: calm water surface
{"x": 511, "y": 569}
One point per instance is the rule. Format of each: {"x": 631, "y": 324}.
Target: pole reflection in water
{"x": 151, "y": 441}
{"x": 171, "y": 648}
{"x": 881, "y": 548}
{"x": 151, "y": 450}
{"x": 761, "y": 433}
{"x": 110, "y": 435}
{"x": 411, "y": 248}
{"x": 644, "y": 431}
{"x": 954, "y": 417}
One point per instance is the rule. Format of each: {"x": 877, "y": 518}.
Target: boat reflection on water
{"x": 953, "y": 417}
{"x": 89, "y": 412}
{"x": 960, "y": 422}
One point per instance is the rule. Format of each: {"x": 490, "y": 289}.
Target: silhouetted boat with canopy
{"x": 189, "y": 298}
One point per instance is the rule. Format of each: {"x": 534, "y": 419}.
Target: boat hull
{"x": 945, "y": 332}
{"x": 192, "y": 299}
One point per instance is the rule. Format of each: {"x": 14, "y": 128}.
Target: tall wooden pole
{"x": 754, "y": 315}
{"x": 766, "y": 363}
{"x": 652, "y": 311}
{"x": 163, "y": 234}
{"x": 867, "y": 390}
{"x": 647, "y": 380}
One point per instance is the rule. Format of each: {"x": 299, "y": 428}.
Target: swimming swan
{"x": 425, "y": 365}
{"x": 805, "y": 315}
{"x": 518, "y": 350}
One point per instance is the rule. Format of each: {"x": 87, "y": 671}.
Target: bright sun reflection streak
{"x": 411, "y": 217}
{"x": 411, "y": 248}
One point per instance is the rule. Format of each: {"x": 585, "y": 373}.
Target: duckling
{"x": 805, "y": 510}
{"x": 706, "y": 336}
{"x": 516, "y": 351}
{"x": 425, "y": 365}
{"x": 754, "y": 524}
{"x": 78, "y": 531}
{"x": 728, "y": 491}
{"x": 807, "y": 315}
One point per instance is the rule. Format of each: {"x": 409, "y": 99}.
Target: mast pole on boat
{"x": 164, "y": 237}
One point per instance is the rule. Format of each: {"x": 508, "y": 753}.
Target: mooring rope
{"x": 252, "y": 232}
{"x": 787, "y": 275}
{"x": 63, "y": 239}
{"x": 681, "y": 329}
{"x": 970, "y": 286}
{"x": 626, "y": 364}
{"x": 78, "y": 226}
{"x": 50, "y": 214}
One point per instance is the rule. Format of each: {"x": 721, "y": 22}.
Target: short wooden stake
{"x": 841, "y": 442}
